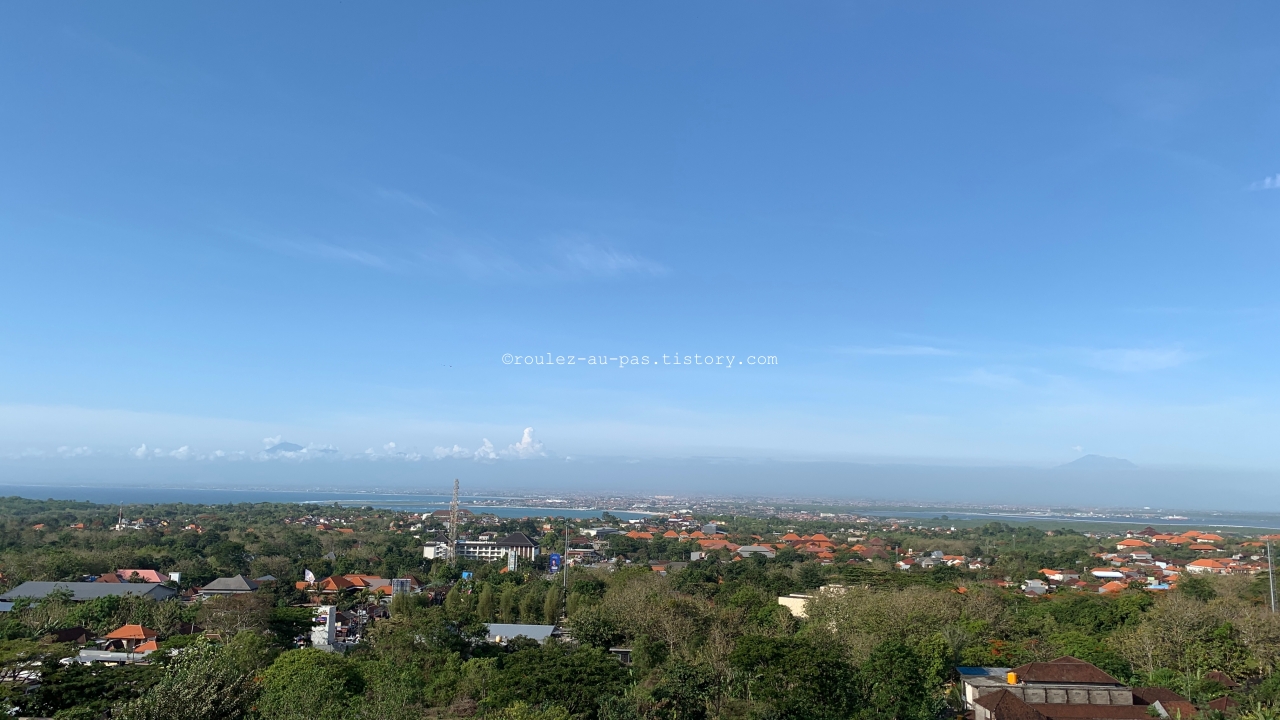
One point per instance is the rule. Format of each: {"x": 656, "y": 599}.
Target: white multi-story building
{"x": 517, "y": 544}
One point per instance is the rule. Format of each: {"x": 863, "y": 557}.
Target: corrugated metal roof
{"x": 89, "y": 591}
{"x": 506, "y": 631}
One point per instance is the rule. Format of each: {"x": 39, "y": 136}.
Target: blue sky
{"x": 996, "y": 234}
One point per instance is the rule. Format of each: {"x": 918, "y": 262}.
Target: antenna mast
{"x": 453, "y": 525}
{"x": 1271, "y": 577}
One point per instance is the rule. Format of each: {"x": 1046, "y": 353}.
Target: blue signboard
{"x": 555, "y": 562}
{"x": 466, "y": 575}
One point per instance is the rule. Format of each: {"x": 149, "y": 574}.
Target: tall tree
{"x": 551, "y": 605}
{"x": 507, "y": 604}
{"x": 484, "y": 608}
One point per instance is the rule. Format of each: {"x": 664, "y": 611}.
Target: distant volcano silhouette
{"x": 1098, "y": 462}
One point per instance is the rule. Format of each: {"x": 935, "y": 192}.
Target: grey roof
{"x": 516, "y": 539}
{"x": 90, "y": 591}
{"x": 236, "y": 584}
{"x": 108, "y": 656}
{"x": 506, "y": 631}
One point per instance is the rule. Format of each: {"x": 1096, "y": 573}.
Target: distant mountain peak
{"x": 1098, "y": 462}
{"x": 284, "y": 447}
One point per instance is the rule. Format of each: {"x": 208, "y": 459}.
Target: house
{"x": 132, "y": 575}
{"x": 82, "y": 591}
{"x": 77, "y": 635}
{"x": 1222, "y": 679}
{"x": 1222, "y": 704}
{"x": 749, "y": 550}
{"x": 1049, "y": 691}
{"x": 505, "y": 632}
{"x": 1131, "y": 543}
{"x": 519, "y": 544}
{"x": 1035, "y": 587}
{"x": 1205, "y": 566}
{"x": 229, "y": 586}
{"x": 130, "y": 637}
{"x": 797, "y": 603}
{"x": 1165, "y": 701}
{"x": 1060, "y": 576}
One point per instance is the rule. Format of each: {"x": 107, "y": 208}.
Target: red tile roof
{"x": 1065, "y": 669}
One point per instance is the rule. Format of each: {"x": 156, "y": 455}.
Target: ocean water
{"x": 404, "y": 502}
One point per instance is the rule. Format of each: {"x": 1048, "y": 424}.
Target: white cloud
{"x": 485, "y": 451}
{"x": 406, "y": 199}
{"x": 899, "y": 350}
{"x": 526, "y": 448}
{"x": 271, "y": 441}
{"x": 321, "y": 250}
{"x": 604, "y": 260}
{"x": 389, "y": 447}
{"x": 67, "y": 451}
{"x": 139, "y": 452}
{"x": 1267, "y": 183}
{"x": 995, "y": 380}
{"x": 1138, "y": 359}
{"x": 182, "y": 453}
{"x": 456, "y": 451}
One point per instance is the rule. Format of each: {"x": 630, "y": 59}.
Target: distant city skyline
{"x": 261, "y": 243}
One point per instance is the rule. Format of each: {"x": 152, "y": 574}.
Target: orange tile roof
{"x": 1113, "y": 587}
{"x": 131, "y": 632}
{"x": 149, "y": 646}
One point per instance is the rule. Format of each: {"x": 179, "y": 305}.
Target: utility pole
{"x": 1271, "y": 577}
{"x": 453, "y": 526}
{"x": 564, "y": 568}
